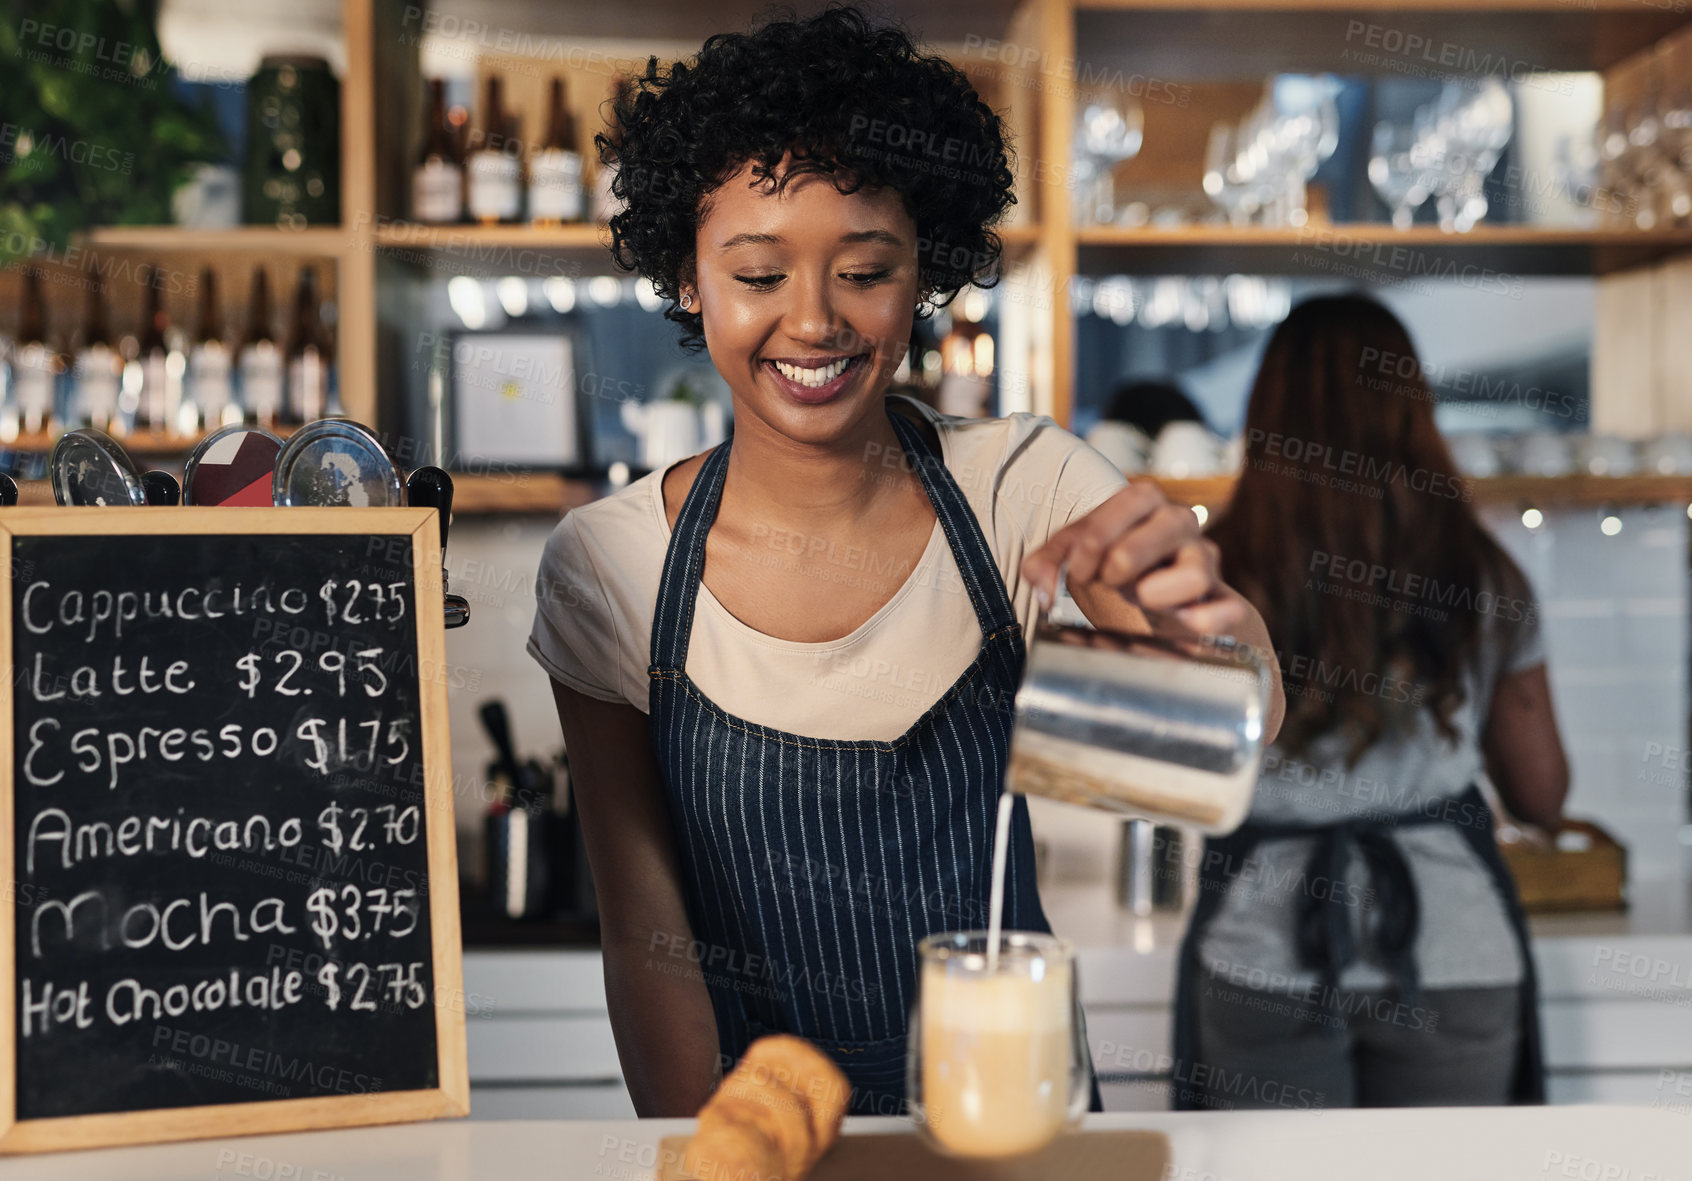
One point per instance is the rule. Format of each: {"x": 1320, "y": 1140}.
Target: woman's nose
{"x": 811, "y": 316}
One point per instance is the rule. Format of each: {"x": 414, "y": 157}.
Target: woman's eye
{"x": 865, "y": 278}
{"x": 760, "y": 281}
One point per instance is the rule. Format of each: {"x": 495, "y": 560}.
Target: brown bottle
{"x": 35, "y": 365}
{"x": 259, "y": 360}
{"x": 495, "y": 169}
{"x": 99, "y": 367}
{"x": 210, "y": 397}
{"x": 307, "y": 354}
{"x": 437, "y": 183}
{"x": 555, "y": 171}
{"x": 161, "y": 363}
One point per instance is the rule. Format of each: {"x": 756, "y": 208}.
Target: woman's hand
{"x": 1138, "y": 563}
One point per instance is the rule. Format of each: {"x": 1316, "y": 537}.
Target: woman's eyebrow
{"x": 886, "y": 236}
{"x": 751, "y": 239}
{"x": 759, "y": 239}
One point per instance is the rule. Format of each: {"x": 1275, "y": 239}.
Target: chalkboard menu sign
{"x": 230, "y": 837}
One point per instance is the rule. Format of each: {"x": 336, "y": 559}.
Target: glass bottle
{"x": 437, "y": 183}
{"x": 307, "y": 354}
{"x": 153, "y": 402}
{"x": 495, "y": 168}
{"x": 259, "y": 361}
{"x": 211, "y": 395}
{"x": 35, "y": 366}
{"x": 555, "y": 171}
{"x": 98, "y": 379}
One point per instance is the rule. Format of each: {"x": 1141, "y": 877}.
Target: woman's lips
{"x": 813, "y": 395}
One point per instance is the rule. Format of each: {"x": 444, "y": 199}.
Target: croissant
{"x": 773, "y": 1117}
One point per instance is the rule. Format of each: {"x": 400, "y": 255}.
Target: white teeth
{"x": 813, "y": 378}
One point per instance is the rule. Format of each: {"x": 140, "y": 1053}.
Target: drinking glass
{"x": 998, "y": 1064}
{"x": 1109, "y": 128}
{"x": 1394, "y": 173}
{"x": 1223, "y": 180}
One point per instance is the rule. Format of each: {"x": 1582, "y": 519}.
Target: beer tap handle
{"x": 430, "y": 487}
{"x": 162, "y": 488}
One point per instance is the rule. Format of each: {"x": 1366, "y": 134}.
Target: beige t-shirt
{"x": 1024, "y": 477}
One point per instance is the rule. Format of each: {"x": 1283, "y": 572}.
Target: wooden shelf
{"x": 420, "y": 236}
{"x": 1019, "y": 237}
{"x": 1536, "y": 491}
{"x": 574, "y": 250}
{"x": 1489, "y": 257}
{"x": 1426, "y": 39}
{"x": 533, "y": 493}
{"x": 147, "y": 444}
{"x": 322, "y": 240}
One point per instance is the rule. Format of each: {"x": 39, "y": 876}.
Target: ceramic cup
{"x": 1186, "y": 450}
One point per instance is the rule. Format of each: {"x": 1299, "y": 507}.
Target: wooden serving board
{"x": 904, "y": 1156}
{"x": 1552, "y": 881}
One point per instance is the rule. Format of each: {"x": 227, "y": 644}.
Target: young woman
{"x": 784, "y": 668}
{"x": 1358, "y": 941}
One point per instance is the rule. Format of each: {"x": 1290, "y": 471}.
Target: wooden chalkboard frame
{"x": 452, "y": 1096}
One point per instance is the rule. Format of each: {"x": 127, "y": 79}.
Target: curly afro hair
{"x": 843, "y": 97}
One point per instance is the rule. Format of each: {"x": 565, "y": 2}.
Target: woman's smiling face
{"x": 807, "y": 296}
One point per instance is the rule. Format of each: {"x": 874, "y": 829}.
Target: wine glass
{"x": 1305, "y": 131}
{"x": 998, "y": 1064}
{"x": 1223, "y": 180}
{"x": 1394, "y": 173}
{"x": 1110, "y": 128}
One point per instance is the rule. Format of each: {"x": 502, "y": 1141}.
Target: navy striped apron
{"x": 813, "y": 866}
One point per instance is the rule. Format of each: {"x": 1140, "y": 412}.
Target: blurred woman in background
{"x": 1359, "y": 941}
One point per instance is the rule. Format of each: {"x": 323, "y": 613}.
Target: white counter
{"x": 1615, "y": 1008}
{"x": 1427, "y": 1144}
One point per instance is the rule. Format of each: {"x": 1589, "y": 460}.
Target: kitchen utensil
{"x": 89, "y": 468}
{"x": 521, "y": 827}
{"x": 1166, "y": 729}
{"x": 233, "y": 467}
{"x": 161, "y": 488}
{"x": 1149, "y": 872}
{"x": 8, "y": 491}
{"x": 430, "y": 487}
{"x": 498, "y": 725}
{"x": 335, "y": 461}
{"x": 998, "y": 1064}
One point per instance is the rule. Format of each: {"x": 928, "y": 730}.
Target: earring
{"x": 686, "y": 301}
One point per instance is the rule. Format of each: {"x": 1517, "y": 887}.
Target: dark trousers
{"x": 1455, "y": 1047}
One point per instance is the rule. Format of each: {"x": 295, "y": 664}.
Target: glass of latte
{"x": 998, "y": 1060}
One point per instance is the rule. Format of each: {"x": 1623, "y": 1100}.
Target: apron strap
{"x": 1529, "y": 1086}
{"x": 684, "y": 563}
{"x": 684, "y": 560}
{"x": 963, "y": 531}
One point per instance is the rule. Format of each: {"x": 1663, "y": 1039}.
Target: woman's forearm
{"x": 661, "y": 1017}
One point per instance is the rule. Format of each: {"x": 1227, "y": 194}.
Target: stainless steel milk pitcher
{"x": 1166, "y": 729}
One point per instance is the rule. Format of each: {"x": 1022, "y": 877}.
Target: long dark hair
{"x": 1352, "y": 532}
